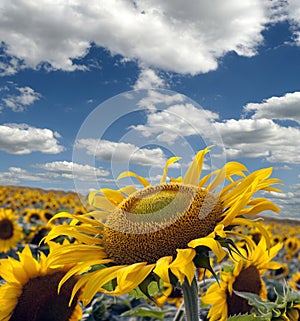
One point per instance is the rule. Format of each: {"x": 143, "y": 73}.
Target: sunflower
{"x": 295, "y": 282}
{"x": 244, "y": 276}
{"x": 37, "y": 234}
{"x": 30, "y": 291}
{"x": 34, "y": 215}
{"x": 10, "y": 232}
{"x": 163, "y": 231}
{"x": 292, "y": 246}
{"x": 169, "y": 294}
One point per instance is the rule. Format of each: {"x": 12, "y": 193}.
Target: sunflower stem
{"x": 191, "y": 300}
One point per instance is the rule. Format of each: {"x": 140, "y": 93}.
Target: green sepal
{"x": 201, "y": 260}
{"x": 230, "y": 246}
{"x": 148, "y": 288}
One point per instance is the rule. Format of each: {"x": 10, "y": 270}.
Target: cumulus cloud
{"x": 288, "y": 201}
{"x": 9, "y": 66}
{"x": 260, "y": 138}
{"x": 20, "y": 99}
{"x": 53, "y": 172}
{"x": 257, "y": 137}
{"x": 176, "y": 121}
{"x": 148, "y": 79}
{"x": 283, "y": 108}
{"x": 154, "y": 99}
{"x": 121, "y": 152}
{"x": 15, "y": 175}
{"x": 20, "y": 139}
{"x": 68, "y": 170}
{"x": 293, "y": 14}
{"x": 163, "y": 34}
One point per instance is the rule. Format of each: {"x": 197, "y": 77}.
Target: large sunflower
{"x": 161, "y": 231}
{"x": 245, "y": 276}
{"x": 30, "y": 291}
{"x": 10, "y": 232}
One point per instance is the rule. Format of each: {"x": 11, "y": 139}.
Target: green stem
{"x": 191, "y": 300}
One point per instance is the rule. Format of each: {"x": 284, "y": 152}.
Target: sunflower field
{"x": 186, "y": 249}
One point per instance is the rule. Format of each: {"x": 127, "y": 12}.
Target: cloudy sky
{"x": 88, "y": 91}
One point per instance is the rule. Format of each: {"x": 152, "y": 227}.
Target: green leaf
{"x": 146, "y": 311}
{"x": 256, "y": 301}
{"x": 248, "y": 317}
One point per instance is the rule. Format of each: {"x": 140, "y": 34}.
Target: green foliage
{"x": 144, "y": 310}
{"x": 270, "y": 311}
{"x": 247, "y": 317}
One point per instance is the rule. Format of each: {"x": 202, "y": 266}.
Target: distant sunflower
{"x": 244, "y": 277}
{"x": 34, "y": 215}
{"x": 37, "y": 234}
{"x": 30, "y": 291}
{"x": 10, "y": 232}
{"x": 295, "y": 282}
{"x": 170, "y": 294}
{"x": 47, "y": 215}
{"x": 162, "y": 230}
{"x": 292, "y": 246}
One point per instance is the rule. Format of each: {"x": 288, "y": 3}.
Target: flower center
{"x": 157, "y": 220}
{"x": 6, "y": 229}
{"x": 39, "y": 300}
{"x": 247, "y": 281}
{"x": 39, "y": 235}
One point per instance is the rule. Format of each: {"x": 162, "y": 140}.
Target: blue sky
{"x": 123, "y": 85}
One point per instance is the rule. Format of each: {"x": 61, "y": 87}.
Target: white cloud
{"x": 121, "y": 152}
{"x": 54, "y": 172}
{"x": 293, "y": 12}
{"x": 16, "y": 175}
{"x": 169, "y": 35}
{"x": 283, "y": 108}
{"x": 20, "y": 98}
{"x": 178, "y": 120}
{"x": 70, "y": 169}
{"x": 148, "y": 79}
{"x": 155, "y": 98}
{"x": 260, "y": 138}
{"x": 20, "y": 139}
{"x": 9, "y": 66}
{"x": 288, "y": 201}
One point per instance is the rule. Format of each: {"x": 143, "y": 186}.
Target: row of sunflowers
{"x": 190, "y": 247}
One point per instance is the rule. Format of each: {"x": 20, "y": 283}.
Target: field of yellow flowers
{"x": 265, "y": 285}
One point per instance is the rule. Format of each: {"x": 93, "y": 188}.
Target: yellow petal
{"x": 113, "y": 196}
{"x": 99, "y": 215}
{"x": 103, "y": 203}
{"x": 229, "y": 169}
{"x": 168, "y": 163}
{"x": 183, "y": 265}
{"x": 79, "y": 269}
{"x": 74, "y": 253}
{"x": 93, "y": 282}
{"x": 129, "y": 277}
{"x": 210, "y": 243}
{"x": 162, "y": 268}
{"x": 30, "y": 265}
{"x": 204, "y": 179}
{"x": 194, "y": 171}
{"x": 141, "y": 179}
{"x": 128, "y": 190}
{"x": 260, "y": 207}
{"x": 91, "y": 197}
